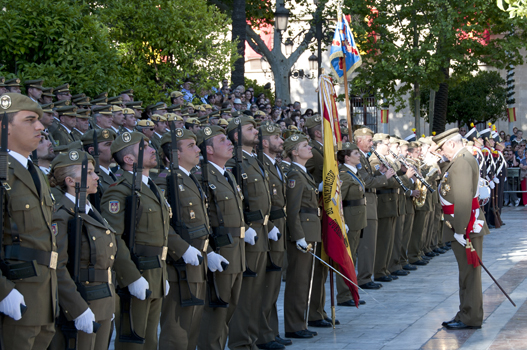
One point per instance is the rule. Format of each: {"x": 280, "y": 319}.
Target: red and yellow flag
{"x": 334, "y": 235}
{"x": 384, "y": 116}
{"x": 511, "y": 113}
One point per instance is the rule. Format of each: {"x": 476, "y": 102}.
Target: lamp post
{"x": 281, "y": 16}
{"x": 288, "y": 44}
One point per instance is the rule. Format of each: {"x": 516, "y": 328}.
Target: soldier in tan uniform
{"x": 27, "y": 235}
{"x": 458, "y": 190}
{"x": 160, "y": 127}
{"x": 143, "y": 266}
{"x": 98, "y": 249}
{"x": 228, "y": 232}
{"x": 68, "y": 119}
{"x": 304, "y": 229}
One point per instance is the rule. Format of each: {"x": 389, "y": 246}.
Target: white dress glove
{"x": 273, "y": 234}
{"x": 250, "y": 235}
{"x": 347, "y": 228}
{"x": 191, "y": 256}
{"x": 461, "y": 240}
{"x": 491, "y": 184}
{"x": 138, "y": 288}
{"x": 301, "y": 245}
{"x": 496, "y": 180}
{"x": 85, "y": 321}
{"x": 10, "y": 306}
{"x": 167, "y": 284}
{"x": 214, "y": 261}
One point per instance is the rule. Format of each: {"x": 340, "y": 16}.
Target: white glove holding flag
{"x": 273, "y": 234}
{"x": 461, "y": 240}
{"x": 250, "y": 236}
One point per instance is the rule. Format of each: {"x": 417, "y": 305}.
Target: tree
{"x": 515, "y": 8}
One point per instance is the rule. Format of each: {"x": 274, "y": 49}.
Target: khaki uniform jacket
{"x": 257, "y": 195}
{"x": 351, "y": 189}
{"x": 387, "y": 203}
{"x": 315, "y": 165}
{"x": 152, "y": 230}
{"x": 62, "y": 136}
{"x": 230, "y": 205}
{"x": 277, "y": 189}
{"x": 371, "y": 180}
{"x": 54, "y": 126}
{"x": 284, "y": 166}
{"x": 103, "y": 239}
{"x": 155, "y": 141}
{"x": 76, "y": 134}
{"x": 192, "y": 210}
{"x": 105, "y": 181}
{"x": 302, "y": 193}
{"x": 31, "y": 212}
{"x": 458, "y": 186}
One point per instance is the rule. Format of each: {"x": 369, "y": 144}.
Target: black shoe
{"x": 420, "y": 263}
{"x": 430, "y": 254}
{"x": 351, "y": 303}
{"x": 400, "y": 273}
{"x": 383, "y": 279}
{"x": 447, "y": 322}
{"x": 491, "y": 226}
{"x": 425, "y": 258}
{"x": 409, "y": 267}
{"x": 312, "y": 332}
{"x": 446, "y": 248}
{"x": 393, "y": 277}
{"x": 271, "y": 345}
{"x": 303, "y": 334}
{"x": 439, "y": 251}
{"x": 371, "y": 285}
{"x": 448, "y": 244}
{"x": 320, "y": 323}
{"x": 460, "y": 325}
{"x": 282, "y": 341}
{"x": 337, "y": 322}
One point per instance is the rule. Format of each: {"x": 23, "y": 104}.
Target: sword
{"x": 309, "y": 248}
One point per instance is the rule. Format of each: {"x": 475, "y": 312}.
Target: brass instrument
{"x": 421, "y": 199}
{"x": 387, "y": 166}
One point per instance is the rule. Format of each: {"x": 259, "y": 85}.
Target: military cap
{"x": 204, "y": 119}
{"x": 214, "y": 115}
{"x": 349, "y": 146}
{"x": 36, "y": 84}
{"x": 116, "y": 109}
{"x": 129, "y": 92}
{"x": 472, "y": 133}
{"x": 116, "y": 100}
{"x": 62, "y": 103}
{"x": 73, "y": 157}
{"x": 270, "y": 129}
{"x": 145, "y": 123}
{"x": 192, "y": 121}
{"x": 344, "y": 131}
{"x": 394, "y": 140}
{"x": 208, "y": 132}
{"x": 188, "y": 104}
{"x": 126, "y": 139}
{"x": 101, "y": 95}
{"x": 259, "y": 113}
{"x": 48, "y": 107}
{"x": 200, "y": 108}
{"x": 222, "y": 122}
{"x": 158, "y": 118}
{"x": 134, "y": 104}
{"x": 207, "y": 106}
{"x": 313, "y": 121}
{"x": 75, "y": 145}
{"x": 235, "y": 114}
{"x": 172, "y": 108}
{"x": 294, "y": 140}
{"x": 403, "y": 143}
{"x": 78, "y": 96}
{"x": 173, "y": 116}
{"x": 244, "y": 120}
{"x": 414, "y": 144}
{"x": 83, "y": 113}
{"x": 485, "y": 134}
{"x": 426, "y": 140}
{"x": 104, "y": 110}
{"x": 158, "y": 106}
{"x": 363, "y": 132}
{"x": 12, "y": 83}
{"x": 99, "y": 101}
{"x": 47, "y": 91}
{"x": 13, "y": 103}
{"x": 181, "y": 134}
{"x": 70, "y": 111}
{"x": 445, "y": 136}
{"x": 228, "y": 109}
{"x": 495, "y": 135}
{"x": 127, "y": 111}
{"x": 82, "y": 101}
{"x": 175, "y": 94}
{"x": 381, "y": 137}
{"x": 103, "y": 135}
{"x": 412, "y": 137}
{"x": 61, "y": 88}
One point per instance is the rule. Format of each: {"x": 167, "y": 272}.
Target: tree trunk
{"x": 441, "y": 104}
{"x": 417, "y": 110}
{"x": 281, "y": 80}
{"x": 238, "y": 35}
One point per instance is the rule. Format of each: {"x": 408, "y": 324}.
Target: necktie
{"x": 154, "y": 189}
{"x": 34, "y": 175}
{"x": 193, "y": 178}
{"x": 113, "y": 176}
{"x": 229, "y": 181}
{"x": 93, "y": 215}
{"x": 278, "y": 171}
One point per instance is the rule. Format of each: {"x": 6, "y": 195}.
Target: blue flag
{"x": 344, "y": 48}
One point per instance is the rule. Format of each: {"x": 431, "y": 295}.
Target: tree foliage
{"x": 515, "y": 8}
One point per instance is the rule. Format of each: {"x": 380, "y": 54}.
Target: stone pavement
{"x": 409, "y": 311}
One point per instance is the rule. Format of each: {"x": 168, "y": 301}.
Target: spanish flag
{"x": 334, "y": 237}
{"x": 511, "y": 113}
{"x": 384, "y": 116}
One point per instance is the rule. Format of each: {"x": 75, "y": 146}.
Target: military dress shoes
{"x": 393, "y": 277}
{"x": 383, "y": 279}
{"x": 270, "y": 345}
{"x": 400, "y": 273}
{"x": 282, "y": 341}
{"x": 439, "y": 251}
{"x": 337, "y": 322}
{"x": 420, "y": 263}
{"x": 320, "y": 324}
{"x": 447, "y": 322}
{"x": 371, "y": 285}
{"x": 460, "y": 325}
{"x": 409, "y": 267}
{"x": 430, "y": 254}
{"x": 303, "y": 334}
{"x": 351, "y": 303}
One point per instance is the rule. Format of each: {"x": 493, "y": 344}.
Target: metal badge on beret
{"x": 5, "y": 102}
{"x": 294, "y": 138}
{"x": 318, "y": 119}
{"x": 105, "y": 133}
{"x": 208, "y": 131}
{"x": 126, "y": 137}
{"x": 236, "y": 121}
{"x": 74, "y": 155}
{"x": 270, "y": 128}
{"x": 179, "y": 132}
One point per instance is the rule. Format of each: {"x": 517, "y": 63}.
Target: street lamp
{"x": 266, "y": 67}
{"x": 313, "y": 62}
{"x": 282, "y": 17}
{"x": 288, "y": 46}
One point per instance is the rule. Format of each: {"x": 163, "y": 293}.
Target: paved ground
{"x": 409, "y": 311}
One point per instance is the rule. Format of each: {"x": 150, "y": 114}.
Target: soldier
{"x": 117, "y": 119}
{"x": 181, "y": 312}
{"x": 141, "y": 267}
{"x": 94, "y": 300}
{"x": 13, "y": 85}
{"x": 47, "y": 120}
{"x": 127, "y": 96}
{"x": 28, "y": 239}
{"x": 3, "y": 88}
{"x": 34, "y": 89}
{"x": 82, "y": 124}
{"x": 62, "y": 92}
{"x": 228, "y": 232}
{"x": 303, "y": 232}
{"x": 45, "y": 153}
{"x": 180, "y": 124}
{"x": 146, "y": 127}
{"x": 67, "y": 117}
{"x": 136, "y": 106}
{"x": 129, "y": 121}
{"x": 193, "y": 125}
{"x": 272, "y": 146}
{"x": 47, "y": 95}
{"x": 160, "y": 127}
{"x": 176, "y": 98}
{"x": 458, "y": 191}
{"x": 105, "y": 138}
{"x": 102, "y": 116}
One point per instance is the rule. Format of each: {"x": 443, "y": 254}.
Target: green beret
{"x": 126, "y": 139}
{"x": 72, "y": 157}
{"x": 181, "y": 134}
{"x": 103, "y": 135}
{"x": 349, "y": 146}
{"x": 313, "y": 121}
{"x": 13, "y": 102}
{"x": 209, "y": 132}
{"x": 244, "y": 120}
{"x": 293, "y": 140}
{"x": 75, "y": 145}
{"x": 445, "y": 136}
{"x": 363, "y": 132}
{"x": 270, "y": 129}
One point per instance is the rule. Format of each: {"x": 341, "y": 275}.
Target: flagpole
{"x": 332, "y": 290}
{"x": 348, "y": 112}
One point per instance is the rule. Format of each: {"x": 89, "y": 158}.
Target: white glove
{"x": 113, "y": 317}
{"x": 320, "y": 187}
{"x": 347, "y": 228}
{"x": 491, "y": 185}
{"x": 496, "y": 180}
{"x": 85, "y": 321}
{"x": 214, "y": 261}
{"x": 10, "y": 306}
{"x": 250, "y": 235}
{"x": 191, "y": 256}
{"x": 167, "y": 287}
{"x": 461, "y": 240}
{"x": 138, "y": 288}
{"x": 301, "y": 245}
{"x": 273, "y": 234}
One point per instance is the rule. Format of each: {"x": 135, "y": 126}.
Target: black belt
{"x": 96, "y": 275}
{"x": 353, "y": 202}
{"x": 148, "y": 257}
{"x": 100, "y": 291}
{"x": 309, "y": 210}
{"x": 395, "y": 190}
{"x": 276, "y": 213}
{"x": 17, "y": 252}
{"x": 370, "y": 190}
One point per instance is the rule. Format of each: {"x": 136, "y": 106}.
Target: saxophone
{"x": 420, "y": 201}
